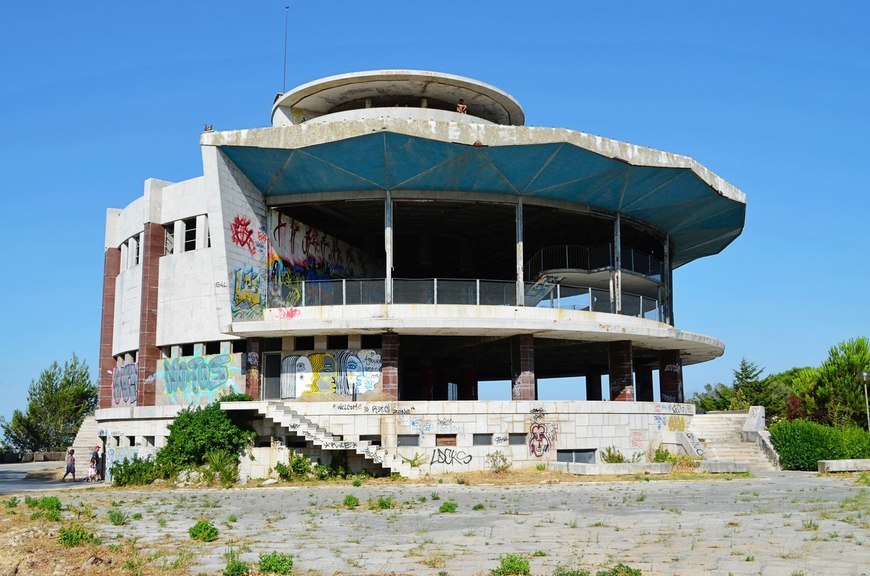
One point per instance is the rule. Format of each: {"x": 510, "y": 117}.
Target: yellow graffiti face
{"x": 247, "y": 288}
{"x": 304, "y": 377}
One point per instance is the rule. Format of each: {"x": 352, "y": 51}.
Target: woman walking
{"x": 70, "y": 465}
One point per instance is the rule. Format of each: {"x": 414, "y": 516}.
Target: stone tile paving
{"x": 785, "y": 523}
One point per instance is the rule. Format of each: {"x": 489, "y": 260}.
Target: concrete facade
{"x": 360, "y": 266}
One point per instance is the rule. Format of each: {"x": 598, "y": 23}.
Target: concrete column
{"x": 521, "y": 286}
{"x": 593, "y": 386}
{"x": 111, "y": 269}
{"x": 388, "y": 248}
{"x": 620, "y": 369}
{"x": 666, "y": 283}
{"x": 670, "y": 376}
{"x": 468, "y": 385}
{"x": 253, "y": 361}
{"x": 202, "y": 239}
{"x": 523, "y": 367}
{"x": 616, "y": 271}
{"x": 390, "y": 366}
{"x": 149, "y": 355}
{"x": 427, "y": 380}
{"x": 644, "y": 380}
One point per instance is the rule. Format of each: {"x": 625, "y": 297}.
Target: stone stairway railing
{"x": 319, "y": 436}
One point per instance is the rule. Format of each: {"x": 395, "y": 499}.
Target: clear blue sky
{"x": 772, "y": 96}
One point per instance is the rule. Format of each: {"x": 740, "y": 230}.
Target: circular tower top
{"x": 358, "y": 93}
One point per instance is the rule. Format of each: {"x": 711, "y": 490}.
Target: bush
{"x": 448, "y": 507}
{"x": 235, "y": 397}
{"x": 235, "y": 566}
{"x": 223, "y": 466}
{"x": 802, "y": 444}
{"x": 117, "y": 518}
{"x": 661, "y": 455}
{"x": 612, "y": 455}
{"x": 300, "y": 465}
{"x": 351, "y": 501}
{"x": 620, "y": 570}
{"x": 76, "y": 535}
{"x": 512, "y": 565}
{"x": 497, "y": 462}
{"x": 134, "y": 472}
{"x": 204, "y": 531}
{"x": 12, "y": 502}
{"x": 197, "y": 432}
{"x": 276, "y": 563}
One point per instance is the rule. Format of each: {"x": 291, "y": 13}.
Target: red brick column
{"x": 111, "y": 269}
{"x": 524, "y": 385}
{"x": 252, "y": 361}
{"x": 149, "y": 355}
{"x": 671, "y": 376}
{"x": 621, "y": 386}
{"x": 593, "y": 386}
{"x": 644, "y": 379}
{"x": 390, "y": 366}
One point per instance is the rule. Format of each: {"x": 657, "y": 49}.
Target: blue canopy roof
{"x": 699, "y": 220}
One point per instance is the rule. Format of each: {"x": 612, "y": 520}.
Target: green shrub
{"x": 512, "y": 565}
{"x": 448, "y": 507}
{"x": 497, "y": 462}
{"x": 117, "y": 518}
{"x": 478, "y": 507}
{"x": 31, "y": 502}
{"x": 284, "y": 472}
{"x": 196, "y": 432}
{"x": 612, "y": 455}
{"x": 53, "y": 515}
{"x": 235, "y": 397}
{"x": 661, "y": 455}
{"x": 134, "y": 471}
{"x": 204, "y": 531}
{"x": 565, "y": 571}
{"x": 801, "y": 444}
{"x": 357, "y": 482}
{"x": 76, "y": 535}
{"x": 276, "y": 563}
{"x": 12, "y": 502}
{"x": 300, "y": 465}
{"x": 223, "y": 466}
{"x": 235, "y": 566}
{"x": 351, "y": 501}
{"x": 620, "y": 570}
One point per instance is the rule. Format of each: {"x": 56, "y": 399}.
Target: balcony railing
{"x": 468, "y": 292}
{"x": 591, "y": 258}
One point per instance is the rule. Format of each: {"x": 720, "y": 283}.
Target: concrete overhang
{"x": 328, "y": 94}
{"x": 483, "y": 321}
{"x": 674, "y": 194}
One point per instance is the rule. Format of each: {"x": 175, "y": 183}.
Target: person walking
{"x": 95, "y": 456}
{"x": 70, "y": 465}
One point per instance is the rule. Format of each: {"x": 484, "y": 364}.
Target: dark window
{"x": 375, "y": 439}
{"x": 294, "y": 441}
{"x": 336, "y": 342}
{"x": 212, "y": 348}
{"x": 272, "y": 345}
{"x": 240, "y": 346}
{"x": 304, "y": 343}
{"x": 136, "y": 244}
{"x": 408, "y": 440}
{"x": 482, "y": 440}
{"x": 189, "y": 234}
{"x": 187, "y": 349}
{"x": 370, "y": 341}
{"x": 168, "y": 238}
{"x": 582, "y": 456}
{"x": 516, "y": 439}
{"x": 445, "y": 439}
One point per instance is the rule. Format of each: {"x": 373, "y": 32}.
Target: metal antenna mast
{"x": 284, "y": 83}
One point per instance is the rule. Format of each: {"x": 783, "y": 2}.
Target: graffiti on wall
{"x": 344, "y": 372}
{"x": 125, "y": 382}
{"x": 299, "y": 253}
{"x": 247, "y": 294}
{"x": 198, "y": 379}
{"x": 542, "y": 434}
{"x": 449, "y": 457}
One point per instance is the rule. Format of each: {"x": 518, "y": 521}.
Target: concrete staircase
{"x": 87, "y": 437}
{"x": 721, "y": 433}
{"x": 297, "y": 424}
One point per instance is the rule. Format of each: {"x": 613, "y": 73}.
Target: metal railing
{"x": 590, "y": 258}
{"x": 473, "y": 292}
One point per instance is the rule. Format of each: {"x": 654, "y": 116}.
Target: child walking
{"x": 92, "y": 470}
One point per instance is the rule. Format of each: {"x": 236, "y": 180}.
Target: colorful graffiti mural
{"x": 345, "y": 372}
{"x": 247, "y": 294}
{"x": 300, "y": 253}
{"x": 198, "y": 379}
{"x": 125, "y": 384}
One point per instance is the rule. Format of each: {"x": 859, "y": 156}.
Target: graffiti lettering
{"x": 286, "y": 313}
{"x": 672, "y": 368}
{"x": 499, "y": 439}
{"x": 345, "y": 445}
{"x": 125, "y": 382}
{"x": 374, "y": 454}
{"x": 220, "y": 284}
{"x": 196, "y": 379}
{"x": 680, "y": 409}
{"x": 449, "y": 457}
{"x": 421, "y": 428}
{"x": 695, "y": 443}
{"x": 636, "y": 439}
{"x": 247, "y": 288}
{"x": 356, "y": 406}
{"x": 540, "y": 441}
{"x": 242, "y": 233}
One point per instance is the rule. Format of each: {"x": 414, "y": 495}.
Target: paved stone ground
{"x": 787, "y": 523}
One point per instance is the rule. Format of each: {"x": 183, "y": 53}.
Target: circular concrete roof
{"x": 326, "y": 95}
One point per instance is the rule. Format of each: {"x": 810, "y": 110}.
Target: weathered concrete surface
{"x": 782, "y": 523}
{"x": 854, "y": 465}
{"x": 613, "y": 469}
{"x": 722, "y": 467}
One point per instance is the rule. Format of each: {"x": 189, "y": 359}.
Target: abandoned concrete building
{"x": 360, "y": 266}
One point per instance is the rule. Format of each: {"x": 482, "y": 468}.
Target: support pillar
{"x": 468, "y": 385}
{"x": 390, "y": 366}
{"x": 521, "y": 285}
{"x": 620, "y": 369}
{"x": 111, "y": 269}
{"x": 253, "y": 359}
{"x": 388, "y": 248}
{"x": 149, "y": 355}
{"x": 593, "y": 386}
{"x": 671, "y": 376}
{"x": 524, "y": 386}
{"x": 644, "y": 381}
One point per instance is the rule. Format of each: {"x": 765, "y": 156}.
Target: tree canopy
{"x": 57, "y": 403}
